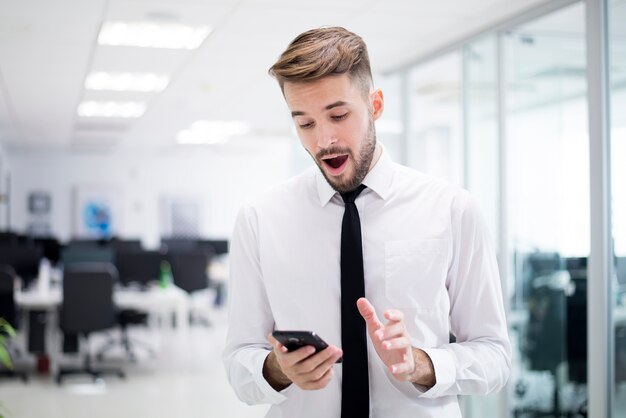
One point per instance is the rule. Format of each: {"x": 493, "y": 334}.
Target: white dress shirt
{"x": 426, "y": 252}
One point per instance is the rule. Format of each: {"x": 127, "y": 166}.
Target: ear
{"x": 377, "y": 102}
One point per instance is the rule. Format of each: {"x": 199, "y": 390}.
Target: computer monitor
{"x": 73, "y": 255}
{"x": 87, "y": 242}
{"x": 139, "y": 267}
{"x": 220, "y": 246}
{"x": 126, "y": 244}
{"x": 24, "y": 259}
{"x": 179, "y": 244}
{"x": 577, "y": 267}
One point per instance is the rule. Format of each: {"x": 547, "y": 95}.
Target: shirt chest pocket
{"x": 415, "y": 273}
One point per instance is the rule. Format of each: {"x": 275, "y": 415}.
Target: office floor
{"x": 185, "y": 379}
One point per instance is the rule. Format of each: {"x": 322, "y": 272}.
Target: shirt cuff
{"x": 271, "y": 395}
{"x": 445, "y": 373}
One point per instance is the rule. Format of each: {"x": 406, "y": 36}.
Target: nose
{"x": 325, "y": 136}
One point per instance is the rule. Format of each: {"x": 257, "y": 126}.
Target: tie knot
{"x": 350, "y": 197}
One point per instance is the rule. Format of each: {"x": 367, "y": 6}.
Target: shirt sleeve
{"x": 479, "y": 361}
{"x": 250, "y": 317}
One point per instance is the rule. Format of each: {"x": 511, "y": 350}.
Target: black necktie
{"x": 355, "y": 384}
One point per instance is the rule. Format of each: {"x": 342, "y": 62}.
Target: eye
{"x": 339, "y": 117}
{"x": 306, "y": 125}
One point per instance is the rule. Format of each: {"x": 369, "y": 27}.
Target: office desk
{"x": 154, "y": 300}
{"x": 160, "y": 304}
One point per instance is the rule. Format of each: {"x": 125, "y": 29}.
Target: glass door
{"x": 547, "y": 175}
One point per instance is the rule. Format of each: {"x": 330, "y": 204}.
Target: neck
{"x": 378, "y": 151}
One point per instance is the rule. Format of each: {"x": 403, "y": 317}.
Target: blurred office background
{"x": 137, "y": 129}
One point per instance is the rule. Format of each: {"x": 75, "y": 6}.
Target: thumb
{"x": 369, "y": 314}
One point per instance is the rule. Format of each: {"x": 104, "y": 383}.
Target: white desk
{"x": 154, "y": 300}
{"x": 159, "y": 303}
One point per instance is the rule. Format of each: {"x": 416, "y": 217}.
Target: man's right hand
{"x": 309, "y": 371}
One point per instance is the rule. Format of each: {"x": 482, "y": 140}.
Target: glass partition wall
{"x": 547, "y": 172}
{"x": 506, "y": 115}
{"x": 480, "y": 119}
{"x": 617, "y": 95}
{"x": 435, "y": 136}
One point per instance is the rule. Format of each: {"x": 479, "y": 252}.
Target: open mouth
{"x": 336, "y": 162}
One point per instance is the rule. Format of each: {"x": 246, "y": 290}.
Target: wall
{"x": 222, "y": 178}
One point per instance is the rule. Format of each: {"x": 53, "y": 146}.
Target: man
{"x": 360, "y": 243}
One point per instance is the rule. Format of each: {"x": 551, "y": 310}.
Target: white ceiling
{"x": 48, "y": 47}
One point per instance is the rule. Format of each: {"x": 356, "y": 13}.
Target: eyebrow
{"x": 328, "y": 107}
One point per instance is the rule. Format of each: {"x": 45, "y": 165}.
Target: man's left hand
{"x": 393, "y": 345}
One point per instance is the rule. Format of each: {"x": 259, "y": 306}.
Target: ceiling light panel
{"x": 93, "y": 109}
{"x": 153, "y": 35}
{"x": 212, "y": 132}
{"x": 141, "y": 82}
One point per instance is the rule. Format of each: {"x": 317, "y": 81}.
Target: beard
{"x": 361, "y": 164}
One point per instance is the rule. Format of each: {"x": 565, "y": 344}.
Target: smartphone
{"x": 296, "y": 339}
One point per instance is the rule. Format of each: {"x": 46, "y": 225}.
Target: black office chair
{"x": 87, "y": 307}
{"x": 135, "y": 267}
{"x": 24, "y": 258}
{"x": 8, "y": 237}
{"x": 189, "y": 270}
{"x": 51, "y": 248}
{"x": 8, "y": 310}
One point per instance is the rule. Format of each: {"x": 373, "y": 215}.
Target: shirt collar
{"x": 378, "y": 180}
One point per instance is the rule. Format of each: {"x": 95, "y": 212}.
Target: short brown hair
{"x": 323, "y": 52}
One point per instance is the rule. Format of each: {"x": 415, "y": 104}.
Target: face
{"x": 335, "y": 123}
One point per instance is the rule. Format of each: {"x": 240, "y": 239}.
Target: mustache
{"x": 333, "y": 151}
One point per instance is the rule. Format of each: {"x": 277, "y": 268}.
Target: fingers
{"x": 288, "y": 358}
{"x": 396, "y": 343}
{"x": 394, "y": 315}
{"x": 402, "y": 370}
{"x": 368, "y": 313}
{"x": 276, "y": 344}
{"x": 327, "y": 356}
{"x": 320, "y": 383}
{"x": 391, "y": 330}
{"x": 314, "y": 367}
{"x": 304, "y": 367}
{"x": 391, "y": 340}
{"x": 316, "y": 371}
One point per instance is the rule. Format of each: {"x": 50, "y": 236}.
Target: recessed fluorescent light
{"x": 153, "y": 35}
{"x": 212, "y": 132}
{"x": 143, "y": 82}
{"x": 93, "y": 109}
